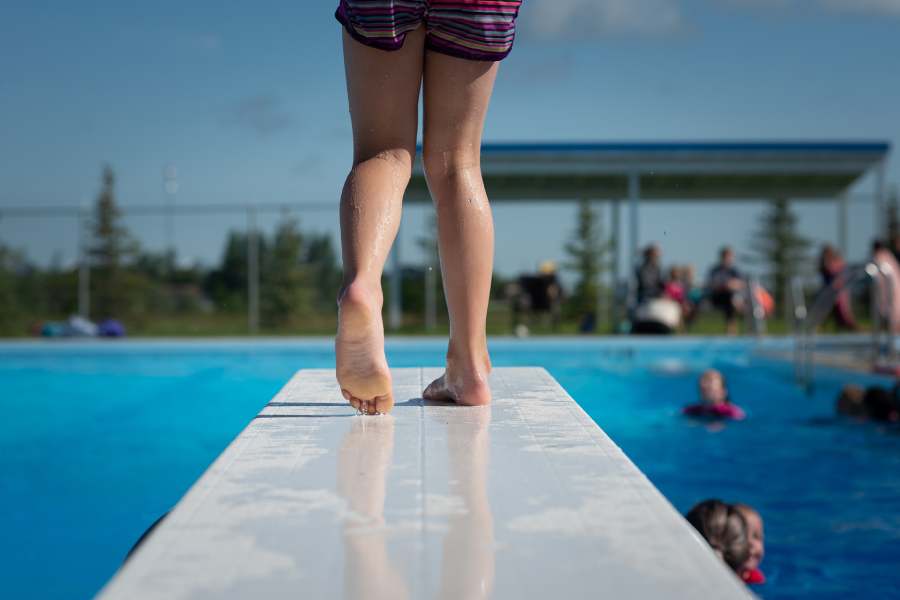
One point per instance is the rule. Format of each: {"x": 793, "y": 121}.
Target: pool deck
{"x": 528, "y": 498}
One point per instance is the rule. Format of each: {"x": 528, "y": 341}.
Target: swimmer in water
{"x": 724, "y": 529}
{"x": 715, "y": 402}
{"x": 874, "y": 403}
{"x": 750, "y": 571}
{"x": 451, "y": 51}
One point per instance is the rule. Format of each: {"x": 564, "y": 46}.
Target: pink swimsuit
{"x": 716, "y": 411}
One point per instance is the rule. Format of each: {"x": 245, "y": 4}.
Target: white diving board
{"x": 525, "y": 499}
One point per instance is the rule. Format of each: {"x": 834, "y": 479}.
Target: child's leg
{"x": 457, "y": 93}
{"x": 383, "y": 89}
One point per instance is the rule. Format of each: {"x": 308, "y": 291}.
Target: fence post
{"x": 84, "y": 268}
{"x": 395, "y": 310}
{"x": 252, "y": 272}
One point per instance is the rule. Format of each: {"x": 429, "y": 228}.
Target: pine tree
{"x": 286, "y": 290}
{"x": 326, "y": 276}
{"x": 587, "y": 252}
{"x": 112, "y": 248}
{"x": 10, "y": 306}
{"x": 779, "y": 247}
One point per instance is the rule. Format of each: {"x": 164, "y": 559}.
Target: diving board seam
{"x": 423, "y": 491}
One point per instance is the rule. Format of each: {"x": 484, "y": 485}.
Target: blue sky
{"x": 249, "y": 103}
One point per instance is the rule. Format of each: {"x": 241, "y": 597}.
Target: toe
{"x": 383, "y": 404}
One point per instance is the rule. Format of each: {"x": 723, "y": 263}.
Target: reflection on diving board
{"x": 527, "y": 498}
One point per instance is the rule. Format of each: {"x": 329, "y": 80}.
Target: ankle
{"x": 360, "y": 292}
{"x": 472, "y": 358}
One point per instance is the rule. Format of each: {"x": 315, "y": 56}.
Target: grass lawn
{"x": 216, "y": 324}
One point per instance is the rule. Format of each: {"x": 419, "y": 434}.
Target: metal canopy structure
{"x": 671, "y": 171}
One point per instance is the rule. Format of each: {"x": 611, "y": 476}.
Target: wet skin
{"x": 383, "y": 91}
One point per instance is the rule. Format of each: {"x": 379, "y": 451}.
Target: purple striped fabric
{"x": 471, "y": 29}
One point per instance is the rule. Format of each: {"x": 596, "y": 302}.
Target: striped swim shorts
{"x": 471, "y": 29}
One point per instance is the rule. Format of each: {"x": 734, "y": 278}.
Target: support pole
{"x": 84, "y": 268}
{"x": 616, "y": 260}
{"x": 430, "y": 297}
{"x": 881, "y": 221}
{"x": 843, "y": 215}
{"x": 634, "y": 199}
{"x": 252, "y": 272}
{"x": 395, "y": 314}
{"x": 430, "y": 280}
{"x": 600, "y": 308}
{"x": 170, "y": 181}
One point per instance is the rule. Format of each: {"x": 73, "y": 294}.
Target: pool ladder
{"x": 807, "y": 320}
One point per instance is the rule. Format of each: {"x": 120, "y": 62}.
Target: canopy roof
{"x": 670, "y": 170}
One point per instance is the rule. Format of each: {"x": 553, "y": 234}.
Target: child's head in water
{"x": 724, "y": 529}
{"x": 851, "y": 402}
{"x": 755, "y": 536}
{"x": 876, "y": 403}
{"x": 880, "y": 405}
{"x": 713, "y": 389}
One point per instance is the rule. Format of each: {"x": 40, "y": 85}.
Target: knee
{"x": 398, "y": 160}
{"x": 447, "y": 166}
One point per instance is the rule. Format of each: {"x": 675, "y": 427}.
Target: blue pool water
{"x": 98, "y": 440}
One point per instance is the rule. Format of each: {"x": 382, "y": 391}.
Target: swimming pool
{"x": 99, "y": 439}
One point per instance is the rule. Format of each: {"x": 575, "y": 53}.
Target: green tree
{"x": 10, "y": 308}
{"x": 779, "y": 247}
{"x": 227, "y": 285}
{"x": 110, "y": 252}
{"x": 325, "y": 274}
{"x": 587, "y": 250}
{"x": 286, "y": 291}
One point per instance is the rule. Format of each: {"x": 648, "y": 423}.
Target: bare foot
{"x": 362, "y": 369}
{"x": 464, "y": 382}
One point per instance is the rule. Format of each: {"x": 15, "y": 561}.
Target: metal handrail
{"x": 886, "y": 273}
{"x": 757, "y": 313}
{"x": 809, "y": 319}
{"x": 797, "y": 298}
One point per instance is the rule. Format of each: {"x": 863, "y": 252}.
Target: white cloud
{"x": 871, "y": 7}
{"x": 579, "y": 18}
{"x": 209, "y": 42}
{"x": 880, "y": 7}
{"x": 568, "y": 18}
{"x": 264, "y": 114}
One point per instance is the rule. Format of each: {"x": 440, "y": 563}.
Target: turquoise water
{"x": 98, "y": 440}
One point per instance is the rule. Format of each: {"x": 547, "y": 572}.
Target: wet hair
{"x": 879, "y": 404}
{"x": 851, "y": 402}
{"x": 746, "y": 509}
{"x": 724, "y": 529}
{"x": 721, "y": 376}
